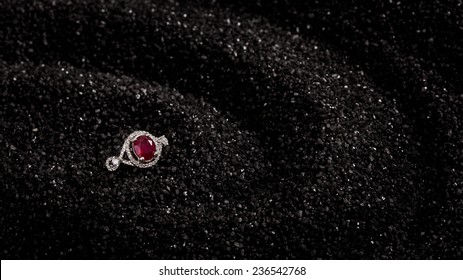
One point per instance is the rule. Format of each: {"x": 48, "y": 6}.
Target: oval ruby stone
{"x": 144, "y": 147}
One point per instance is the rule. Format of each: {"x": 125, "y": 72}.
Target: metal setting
{"x": 112, "y": 163}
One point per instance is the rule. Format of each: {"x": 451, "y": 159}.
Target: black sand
{"x": 318, "y": 130}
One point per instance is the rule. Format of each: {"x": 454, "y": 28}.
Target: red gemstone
{"x": 144, "y": 147}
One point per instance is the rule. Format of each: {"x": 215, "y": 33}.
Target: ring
{"x": 142, "y": 149}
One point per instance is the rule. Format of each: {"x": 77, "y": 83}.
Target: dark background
{"x": 297, "y": 129}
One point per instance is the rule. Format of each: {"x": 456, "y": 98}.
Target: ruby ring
{"x": 142, "y": 149}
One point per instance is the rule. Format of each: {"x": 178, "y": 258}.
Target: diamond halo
{"x": 112, "y": 163}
